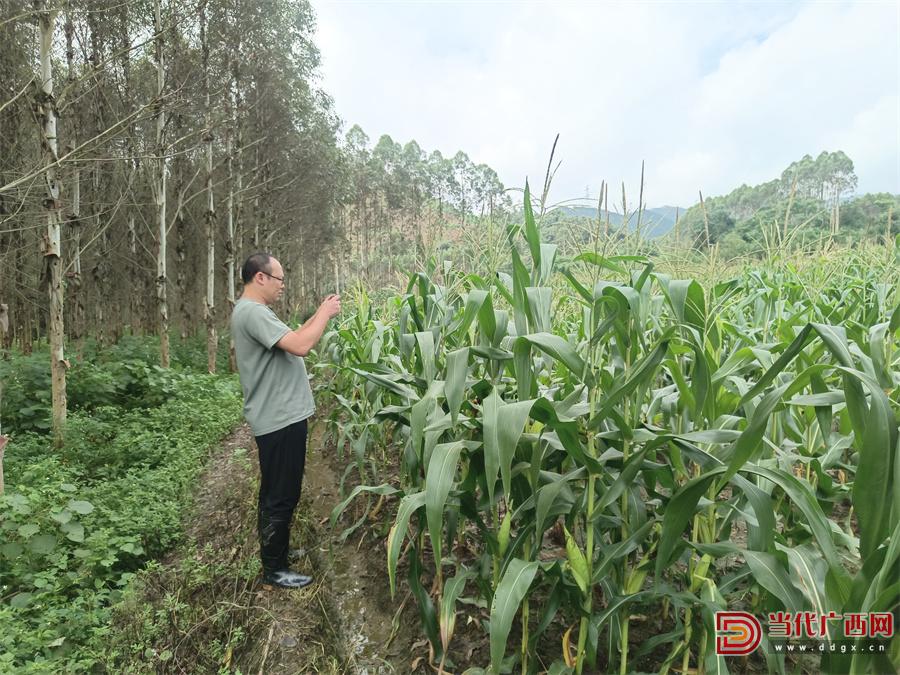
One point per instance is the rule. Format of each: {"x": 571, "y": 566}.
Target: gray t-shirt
{"x": 275, "y": 383}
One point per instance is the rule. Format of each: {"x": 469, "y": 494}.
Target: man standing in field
{"x": 277, "y": 403}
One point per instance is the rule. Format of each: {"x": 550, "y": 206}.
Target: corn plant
{"x": 640, "y": 421}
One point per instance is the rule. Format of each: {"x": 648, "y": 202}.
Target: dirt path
{"x": 344, "y": 622}
{"x": 374, "y": 636}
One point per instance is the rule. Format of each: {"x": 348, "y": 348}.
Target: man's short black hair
{"x": 257, "y": 262}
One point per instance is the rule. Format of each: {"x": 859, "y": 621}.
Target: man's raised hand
{"x": 331, "y": 306}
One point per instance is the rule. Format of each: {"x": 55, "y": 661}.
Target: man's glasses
{"x": 281, "y": 279}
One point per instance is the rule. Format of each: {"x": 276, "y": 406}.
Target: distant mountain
{"x": 654, "y": 222}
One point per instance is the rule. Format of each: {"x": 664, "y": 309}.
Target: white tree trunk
{"x": 211, "y": 339}
{"x": 74, "y": 218}
{"x": 235, "y": 192}
{"x": 160, "y": 193}
{"x": 52, "y": 247}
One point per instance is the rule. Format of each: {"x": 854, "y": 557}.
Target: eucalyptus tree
{"x": 208, "y": 138}
{"x": 73, "y": 217}
{"x": 159, "y": 185}
{"x": 45, "y": 105}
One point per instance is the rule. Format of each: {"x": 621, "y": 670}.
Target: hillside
{"x": 655, "y": 222}
{"x": 811, "y": 200}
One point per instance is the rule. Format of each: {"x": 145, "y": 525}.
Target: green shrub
{"x": 125, "y": 375}
{"x": 75, "y": 524}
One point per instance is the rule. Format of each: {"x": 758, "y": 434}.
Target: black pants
{"x": 282, "y": 457}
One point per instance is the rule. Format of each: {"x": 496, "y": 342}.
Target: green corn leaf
{"x": 424, "y": 604}
{"x": 738, "y": 360}
{"x": 683, "y": 504}
{"x": 877, "y": 351}
{"x": 876, "y": 490}
{"x": 614, "y": 606}
{"x": 809, "y": 571}
{"x": 579, "y": 288}
{"x": 419, "y": 414}
{"x": 521, "y": 281}
{"x": 609, "y": 263}
{"x": 425, "y": 344}
{"x": 546, "y": 497}
{"x": 511, "y": 419}
{"x": 883, "y": 593}
{"x": 452, "y": 589}
{"x": 504, "y": 285}
{"x": 568, "y": 433}
{"x": 772, "y": 575}
{"x": 894, "y": 325}
{"x": 701, "y": 380}
{"x": 626, "y": 477}
{"x": 408, "y": 505}
{"x": 835, "y": 338}
{"x": 548, "y": 257}
{"x": 711, "y": 436}
{"x": 641, "y": 374}
{"x": 490, "y": 423}
{"x": 751, "y": 438}
{"x": 786, "y": 357}
{"x": 622, "y": 548}
{"x": 627, "y": 297}
{"x": 525, "y": 379}
{"x": 492, "y": 353}
{"x": 384, "y": 489}
{"x": 387, "y": 382}
{"x": 511, "y": 590}
{"x": 532, "y": 234}
{"x": 454, "y": 389}
{"x": 826, "y": 398}
{"x": 474, "y": 301}
{"x": 688, "y": 302}
{"x": 439, "y": 478}
{"x": 763, "y": 534}
{"x": 560, "y": 350}
{"x": 539, "y": 300}
{"x": 487, "y": 321}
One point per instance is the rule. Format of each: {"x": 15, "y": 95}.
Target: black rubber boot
{"x": 274, "y": 534}
{"x": 286, "y": 579}
{"x": 273, "y": 542}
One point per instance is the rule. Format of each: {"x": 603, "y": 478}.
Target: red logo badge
{"x": 737, "y": 633}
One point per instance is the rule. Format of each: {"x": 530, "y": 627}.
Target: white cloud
{"x": 710, "y": 95}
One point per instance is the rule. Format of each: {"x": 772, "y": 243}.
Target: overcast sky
{"x": 711, "y": 95}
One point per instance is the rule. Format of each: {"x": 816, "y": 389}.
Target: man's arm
{"x": 300, "y": 341}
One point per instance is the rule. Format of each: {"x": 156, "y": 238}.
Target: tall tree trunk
{"x": 210, "y": 312}
{"x": 180, "y": 224}
{"x": 232, "y": 99}
{"x": 52, "y": 245}
{"x": 74, "y": 216}
{"x": 74, "y": 222}
{"x": 160, "y": 192}
{"x": 136, "y": 309}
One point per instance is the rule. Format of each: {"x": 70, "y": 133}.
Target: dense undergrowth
{"x": 76, "y": 523}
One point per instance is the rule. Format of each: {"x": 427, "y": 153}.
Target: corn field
{"x": 592, "y": 455}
